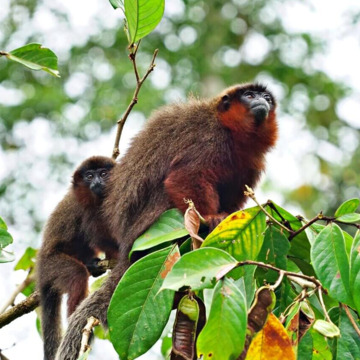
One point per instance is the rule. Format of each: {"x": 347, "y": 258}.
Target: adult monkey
{"x": 74, "y": 235}
{"x": 204, "y": 150}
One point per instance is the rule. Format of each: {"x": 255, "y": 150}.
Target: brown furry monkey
{"x": 74, "y": 234}
{"x": 204, "y": 150}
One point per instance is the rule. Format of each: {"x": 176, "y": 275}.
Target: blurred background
{"x": 306, "y": 51}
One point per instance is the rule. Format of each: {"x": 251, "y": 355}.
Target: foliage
{"x": 5, "y": 240}
{"x": 232, "y": 332}
{"x": 35, "y": 57}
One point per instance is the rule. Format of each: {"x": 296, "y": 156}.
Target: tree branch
{"x": 16, "y": 292}
{"x": 91, "y": 323}
{"x": 24, "y": 307}
{"x": 134, "y": 100}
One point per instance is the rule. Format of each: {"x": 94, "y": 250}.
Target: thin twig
{"x": 134, "y": 100}
{"x": 312, "y": 221}
{"x": 323, "y": 306}
{"x": 16, "y": 292}
{"x": 250, "y": 193}
{"x": 353, "y": 322}
{"x": 91, "y": 323}
{"x": 3, "y": 53}
{"x": 286, "y": 273}
{"x": 22, "y": 308}
{"x": 278, "y": 281}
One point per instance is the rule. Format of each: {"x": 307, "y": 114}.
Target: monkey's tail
{"x": 50, "y": 300}
{"x": 95, "y": 305}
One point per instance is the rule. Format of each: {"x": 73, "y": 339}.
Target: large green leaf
{"x": 240, "y": 234}
{"x": 35, "y": 57}
{"x": 142, "y": 17}
{"x": 138, "y": 313}
{"x": 347, "y": 346}
{"x": 199, "y": 269}
{"x": 331, "y": 263}
{"x": 168, "y": 227}
{"x": 223, "y": 336}
{"x": 347, "y": 207}
{"x": 274, "y": 251}
{"x": 355, "y": 271}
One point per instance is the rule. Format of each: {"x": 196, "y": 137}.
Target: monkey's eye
{"x": 249, "y": 94}
{"x": 267, "y": 97}
{"x": 89, "y": 176}
{"x": 103, "y": 173}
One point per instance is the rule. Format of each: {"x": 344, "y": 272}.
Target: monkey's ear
{"x": 225, "y": 103}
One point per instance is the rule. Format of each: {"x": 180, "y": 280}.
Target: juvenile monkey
{"x": 204, "y": 150}
{"x": 74, "y": 234}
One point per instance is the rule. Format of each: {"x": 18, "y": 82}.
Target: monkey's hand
{"x": 94, "y": 269}
{"x": 214, "y": 220}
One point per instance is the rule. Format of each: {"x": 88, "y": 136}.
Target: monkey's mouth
{"x": 260, "y": 112}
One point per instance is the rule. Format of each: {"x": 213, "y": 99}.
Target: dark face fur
{"x": 259, "y": 103}
{"x": 92, "y": 175}
{"x": 95, "y": 180}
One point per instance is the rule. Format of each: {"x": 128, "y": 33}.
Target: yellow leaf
{"x": 271, "y": 343}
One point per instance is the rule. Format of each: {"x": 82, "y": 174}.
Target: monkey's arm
{"x": 200, "y": 187}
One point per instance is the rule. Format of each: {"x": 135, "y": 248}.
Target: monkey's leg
{"x": 95, "y": 305}
{"x": 58, "y": 274}
{"x": 72, "y": 278}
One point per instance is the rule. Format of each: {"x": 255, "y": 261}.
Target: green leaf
{"x": 321, "y": 349}
{"x": 347, "y": 207}
{"x": 117, "y": 4}
{"x": 5, "y": 238}
{"x": 355, "y": 271}
{"x": 326, "y": 328}
{"x": 313, "y": 231}
{"x": 331, "y": 263}
{"x": 305, "y": 348}
{"x": 199, "y": 269}
{"x": 223, "y": 336}
{"x": 35, "y": 57}
{"x": 3, "y": 225}
{"x": 138, "y": 313}
{"x": 142, "y": 17}
{"x": 274, "y": 251}
{"x": 27, "y": 260}
{"x": 240, "y": 234}
{"x": 349, "y": 218}
{"x": 168, "y": 227}
{"x": 347, "y": 346}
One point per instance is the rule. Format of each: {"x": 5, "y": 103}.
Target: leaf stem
{"x": 353, "y": 322}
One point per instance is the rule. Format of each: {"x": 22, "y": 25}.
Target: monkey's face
{"x": 259, "y": 104}
{"x": 90, "y": 178}
{"x": 248, "y": 111}
{"x": 96, "y": 180}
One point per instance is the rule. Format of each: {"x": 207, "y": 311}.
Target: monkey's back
{"x": 136, "y": 191}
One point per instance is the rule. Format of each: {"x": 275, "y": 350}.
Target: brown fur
{"x": 204, "y": 150}
{"x": 73, "y": 236}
